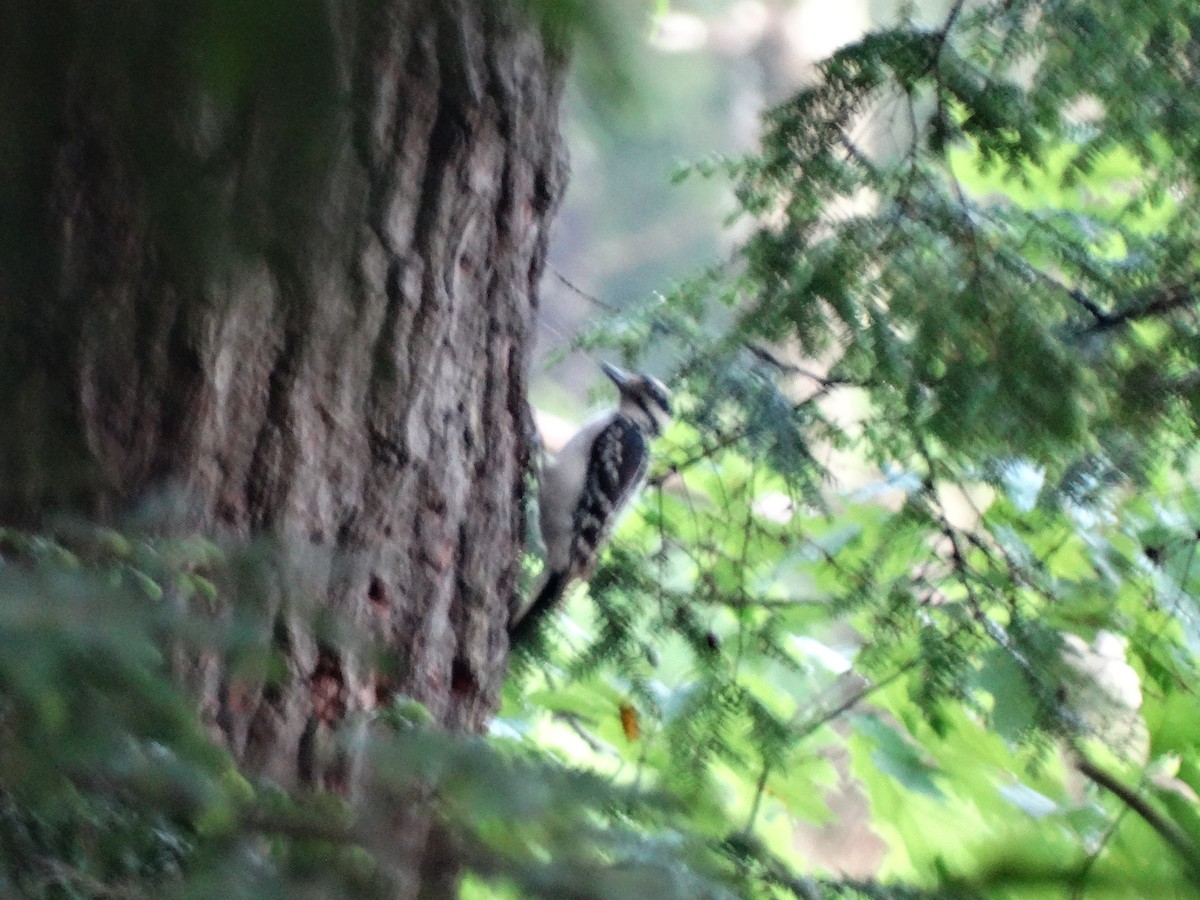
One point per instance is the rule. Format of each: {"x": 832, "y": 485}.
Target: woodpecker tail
{"x": 524, "y": 624}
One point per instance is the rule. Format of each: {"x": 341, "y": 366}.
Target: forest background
{"x": 909, "y": 606}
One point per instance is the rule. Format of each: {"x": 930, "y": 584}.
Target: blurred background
{"x": 701, "y": 72}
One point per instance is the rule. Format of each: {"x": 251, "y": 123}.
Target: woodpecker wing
{"x": 618, "y": 463}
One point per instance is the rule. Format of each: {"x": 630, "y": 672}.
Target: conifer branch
{"x": 1154, "y": 302}
{"x": 826, "y": 383}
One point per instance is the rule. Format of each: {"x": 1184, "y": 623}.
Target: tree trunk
{"x": 272, "y": 273}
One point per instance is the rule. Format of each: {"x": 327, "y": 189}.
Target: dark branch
{"x": 944, "y": 31}
{"x": 1165, "y": 829}
{"x": 580, "y": 292}
{"x": 1159, "y": 302}
{"x": 775, "y": 362}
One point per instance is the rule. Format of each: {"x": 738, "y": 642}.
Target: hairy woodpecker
{"x": 590, "y": 481}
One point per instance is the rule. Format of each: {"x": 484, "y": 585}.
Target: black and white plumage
{"x": 591, "y": 480}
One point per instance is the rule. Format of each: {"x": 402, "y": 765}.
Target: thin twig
{"x": 576, "y": 289}
{"x": 1084, "y": 870}
{"x": 1165, "y": 829}
{"x": 783, "y": 366}
{"x": 944, "y": 31}
{"x": 759, "y": 789}
{"x": 813, "y": 725}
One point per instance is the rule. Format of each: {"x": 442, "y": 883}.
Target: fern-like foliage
{"x": 927, "y": 530}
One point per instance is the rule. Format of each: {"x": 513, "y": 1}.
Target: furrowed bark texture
{"x": 325, "y": 343}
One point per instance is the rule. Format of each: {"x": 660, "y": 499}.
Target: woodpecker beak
{"x": 619, "y": 376}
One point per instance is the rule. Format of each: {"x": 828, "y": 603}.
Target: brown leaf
{"x": 629, "y": 722}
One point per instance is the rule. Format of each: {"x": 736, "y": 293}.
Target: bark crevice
{"x": 307, "y": 322}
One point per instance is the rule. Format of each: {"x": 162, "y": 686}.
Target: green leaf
{"x": 896, "y": 756}
{"x": 1014, "y": 707}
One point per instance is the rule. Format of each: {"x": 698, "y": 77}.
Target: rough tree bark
{"x": 206, "y": 309}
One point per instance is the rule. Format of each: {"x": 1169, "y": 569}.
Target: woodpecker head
{"x": 644, "y": 398}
